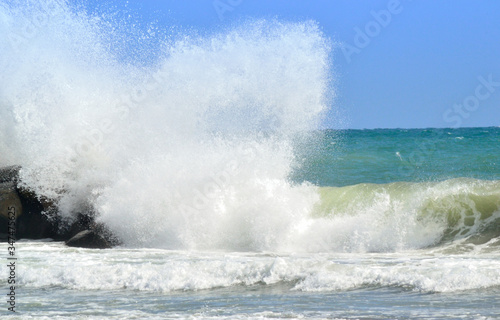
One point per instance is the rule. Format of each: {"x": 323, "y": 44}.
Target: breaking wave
{"x": 193, "y": 149}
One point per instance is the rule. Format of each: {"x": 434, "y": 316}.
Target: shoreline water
{"x": 63, "y": 283}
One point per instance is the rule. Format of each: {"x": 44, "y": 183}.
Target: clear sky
{"x": 397, "y": 64}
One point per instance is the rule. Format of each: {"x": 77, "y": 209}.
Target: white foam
{"x": 153, "y": 270}
{"x": 190, "y": 151}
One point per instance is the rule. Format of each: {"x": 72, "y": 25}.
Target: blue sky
{"x": 397, "y": 64}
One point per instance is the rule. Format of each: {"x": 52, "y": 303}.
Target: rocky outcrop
{"x": 86, "y": 233}
{"x": 88, "y": 239}
{"x": 27, "y": 212}
{"x": 36, "y": 218}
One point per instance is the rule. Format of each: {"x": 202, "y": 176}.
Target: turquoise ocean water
{"x": 347, "y": 157}
{"x": 201, "y": 152}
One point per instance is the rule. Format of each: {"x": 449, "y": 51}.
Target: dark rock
{"x": 37, "y": 218}
{"x": 9, "y": 174}
{"x": 35, "y": 222}
{"x": 86, "y": 233}
{"x": 31, "y": 220}
{"x": 81, "y": 223}
{"x": 10, "y": 209}
{"x": 89, "y": 239}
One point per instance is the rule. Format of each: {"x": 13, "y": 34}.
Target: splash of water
{"x": 191, "y": 151}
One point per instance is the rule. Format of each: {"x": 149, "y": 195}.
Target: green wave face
{"x": 418, "y": 214}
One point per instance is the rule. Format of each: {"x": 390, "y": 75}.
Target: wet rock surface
{"x": 36, "y": 218}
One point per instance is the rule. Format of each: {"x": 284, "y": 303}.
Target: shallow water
{"x": 62, "y": 283}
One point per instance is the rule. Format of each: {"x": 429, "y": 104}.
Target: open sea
{"x": 202, "y": 153}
